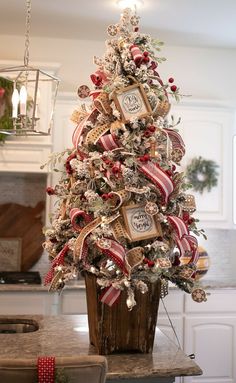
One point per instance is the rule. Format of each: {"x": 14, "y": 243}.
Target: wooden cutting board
{"x": 17, "y": 221}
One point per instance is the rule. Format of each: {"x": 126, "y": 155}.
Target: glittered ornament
{"x": 83, "y": 91}
{"x": 112, "y": 30}
{"x": 199, "y": 295}
{"x": 164, "y": 263}
{"x": 134, "y": 20}
{"x": 104, "y": 243}
{"x": 151, "y": 208}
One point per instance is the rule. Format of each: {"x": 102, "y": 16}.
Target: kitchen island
{"x": 67, "y": 335}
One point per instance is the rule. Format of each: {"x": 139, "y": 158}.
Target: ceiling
{"x": 207, "y": 23}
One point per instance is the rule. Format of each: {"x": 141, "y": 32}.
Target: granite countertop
{"x": 67, "y": 335}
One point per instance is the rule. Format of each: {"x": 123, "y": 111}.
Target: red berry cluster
{"x": 144, "y": 158}
{"x": 173, "y": 88}
{"x": 148, "y": 132}
{"x": 106, "y": 196}
{"x": 187, "y": 219}
{"x": 148, "y": 262}
{"x": 50, "y": 190}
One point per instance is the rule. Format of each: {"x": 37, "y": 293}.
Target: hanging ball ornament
{"x": 199, "y": 295}
{"x": 151, "y": 208}
{"x": 83, "y": 91}
{"x": 134, "y": 20}
{"x": 112, "y": 30}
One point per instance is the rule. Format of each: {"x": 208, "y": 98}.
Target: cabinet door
{"x": 28, "y": 303}
{"x": 73, "y": 302}
{"x": 63, "y": 127}
{"x": 208, "y": 132}
{"x": 165, "y": 326}
{"x": 213, "y": 341}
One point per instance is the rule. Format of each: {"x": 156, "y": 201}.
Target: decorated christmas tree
{"x": 123, "y": 212}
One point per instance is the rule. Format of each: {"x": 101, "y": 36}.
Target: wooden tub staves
{"x": 116, "y": 329}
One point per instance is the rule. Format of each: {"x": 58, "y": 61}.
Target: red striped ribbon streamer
{"x": 194, "y": 248}
{"x": 116, "y": 252}
{"x": 176, "y": 140}
{"x": 58, "y": 260}
{"x": 76, "y": 214}
{"x": 46, "y": 369}
{"x": 184, "y": 240}
{"x": 179, "y": 225}
{"x": 79, "y": 129}
{"x": 136, "y": 53}
{"x": 113, "y": 250}
{"x": 159, "y": 177}
{"x": 110, "y": 295}
{"x": 94, "y": 94}
{"x": 108, "y": 142}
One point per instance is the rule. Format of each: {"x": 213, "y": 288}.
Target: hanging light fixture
{"x": 27, "y": 86}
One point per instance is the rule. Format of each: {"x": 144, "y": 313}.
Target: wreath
{"x": 202, "y": 174}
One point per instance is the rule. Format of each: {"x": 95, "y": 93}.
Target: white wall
{"x": 200, "y": 72}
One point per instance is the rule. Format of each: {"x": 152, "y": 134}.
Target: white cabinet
{"x": 28, "y": 302}
{"x": 208, "y": 132}
{"x": 210, "y": 333}
{"x": 174, "y": 303}
{"x": 73, "y": 302}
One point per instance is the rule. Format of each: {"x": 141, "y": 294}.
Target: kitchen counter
{"x": 229, "y": 283}
{"x": 68, "y": 336}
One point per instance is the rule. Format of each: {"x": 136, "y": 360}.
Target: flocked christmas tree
{"x": 123, "y": 212}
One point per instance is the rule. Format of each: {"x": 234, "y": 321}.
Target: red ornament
{"x": 152, "y": 128}
{"x": 173, "y": 88}
{"x": 145, "y": 53}
{"x": 191, "y": 220}
{"x": 145, "y": 59}
{"x": 136, "y": 29}
{"x": 144, "y": 158}
{"x": 50, "y": 190}
{"x": 147, "y": 133}
{"x": 171, "y": 80}
{"x": 116, "y": 168}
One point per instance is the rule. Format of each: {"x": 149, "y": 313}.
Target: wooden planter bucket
{"x": 116, "y": 329}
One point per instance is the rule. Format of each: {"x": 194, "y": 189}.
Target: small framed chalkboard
{"x": 10, "y": 254}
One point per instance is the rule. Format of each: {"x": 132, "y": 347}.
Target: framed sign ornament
{"x": 139, "y": 224}
{"x": 132, "y": 102}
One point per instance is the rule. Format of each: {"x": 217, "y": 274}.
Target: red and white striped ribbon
{"x": 108, "y": 142}
{"x": 159, "y": 178}
{"x": 176, "y": 139}
{"x": 136, "y": 53}
{"x": 184, "y": 241}
{"x": 110, "y": 295}
{"x": 58, "y": 260}
{"x": 46, "y": 369}
{"x": 79, "y": 129}
{"x": 75, "y": 215}
{"x": 94, "y": 93}
{"x": 194, "y": 248}
{"x": 179, "y": 226}
{"x": 113, "y": 250}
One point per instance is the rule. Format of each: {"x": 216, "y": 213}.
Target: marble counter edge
{"x": 165, "y": 360}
